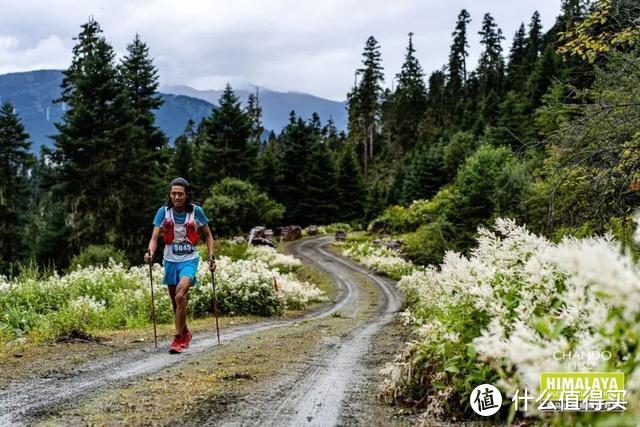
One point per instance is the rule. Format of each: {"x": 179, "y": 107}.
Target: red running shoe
{"x": 187, "y": 339}
{"x": 176, "y": 345}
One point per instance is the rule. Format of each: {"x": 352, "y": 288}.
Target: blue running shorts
{"x": 174, "y": 271}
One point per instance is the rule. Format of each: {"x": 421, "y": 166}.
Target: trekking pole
{"x": 215, "y": 305}
{"x": 153, "y": 303}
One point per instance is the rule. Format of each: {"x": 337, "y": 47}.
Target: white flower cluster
{"x": 380, "y": 259}
{"x": 284, "y": 263}
{"x": 5, "y": 284}
{"x": 541, "y": 297}
{"x": 86, "y": 303}
{"x": 248, "y": 285}
{"x": 297, "y": 294}
{"x": 115, "y": 296}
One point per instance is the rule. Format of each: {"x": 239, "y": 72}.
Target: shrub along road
{"x": 319, "y": 369}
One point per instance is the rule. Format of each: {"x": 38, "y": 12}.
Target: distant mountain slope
{"x": 276, "y": 106}
{"x": 33, "y": 93}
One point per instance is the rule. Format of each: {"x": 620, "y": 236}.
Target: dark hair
{"x": 187, "y": 188}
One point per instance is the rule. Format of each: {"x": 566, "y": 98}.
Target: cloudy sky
{"x": 284, "y": 45}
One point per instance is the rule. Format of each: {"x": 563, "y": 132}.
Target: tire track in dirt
{"x": 24, "y": 398}
{"x": 318, "y": 394}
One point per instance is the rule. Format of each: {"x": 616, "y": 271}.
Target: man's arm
{"x": 210, "y": 246}
{"x": 153, "y": 245}
{"x": 208, "y": 239}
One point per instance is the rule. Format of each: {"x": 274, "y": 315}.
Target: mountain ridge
{"x": 33, "y": 93}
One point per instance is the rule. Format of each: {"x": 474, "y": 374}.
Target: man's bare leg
{"x": 181, "y": 304}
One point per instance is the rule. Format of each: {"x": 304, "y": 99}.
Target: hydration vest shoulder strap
{"x": 168, "y": 213}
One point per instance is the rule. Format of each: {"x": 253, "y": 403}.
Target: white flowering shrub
{"x": 499, "y": 315}
{"x": 273, "y": 258}
{"x": 115, "y": 297}
{"x": 247, "y": 286}
{"x": 383, "y": 260}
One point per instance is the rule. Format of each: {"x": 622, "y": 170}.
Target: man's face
{"x": 178, "y": 196}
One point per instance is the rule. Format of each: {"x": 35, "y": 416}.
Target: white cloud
{"x": 48, "y": 53}
{"x": 284, "y": 44}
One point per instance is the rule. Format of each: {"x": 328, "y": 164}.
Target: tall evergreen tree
{"x": 331, "y": 137}
{"x": 183, "y": 160}
{"x": 436, "y": 100}
{"x": 15, "y": 161}
{"x": 318, "y": 204}
{"x": 490, "y": 69}
{"x": 409, "y": 100}
{"x": 457, "y": 67}
{"x": 548, "y": 67}
{"x": 425, "y": 174}
{"x": 352, "y": 193}
{"x": 254, "y": 112}
{"x": 535, "y": 39}
{"x": 298, "y": 145}
{"x": 519, "y": 66}
{"x": 96, "y": 143}
{"x": 269, "y": 174}
{"x": 49, "y": 230}
{"x": 364, "y": 102}
{"x": 148, "y": 155}
{"x": 229, "y": 151}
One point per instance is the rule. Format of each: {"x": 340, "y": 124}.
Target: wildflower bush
{"x": 49, "y": 305}
{"x": 332, "y": 228}
{"x": 284, "y": 263}
{"x": 247, "y": 286}
{"x": 499, "y": 315}
{"x": 97, "y": 255}
{"x": 46, "y": 305}
{"x": 383, "y": 260}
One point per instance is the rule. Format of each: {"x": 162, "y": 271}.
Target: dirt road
{"x": 324, "y": 377}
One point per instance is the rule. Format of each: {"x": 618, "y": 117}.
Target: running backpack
{"x": 191, "y": 228}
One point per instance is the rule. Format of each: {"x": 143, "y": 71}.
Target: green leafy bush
{"x": 97, "y": 255}
{"x": 238, "y": 206}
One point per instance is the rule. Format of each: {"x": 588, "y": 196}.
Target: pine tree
{"x": 548, "y": 67}
{"x": 15, "y": 161}
{"x": 148, "y": 154}
{"x": 318, "y": 204}
{"x": 364, "y": 102}
{"x": 424, "y": 176}
{"x": 298, "y": 145}
{"x": 50, "y": 243}
{"x": 331, "y": 137}
{"x": 269, "y": 174}
{"x": 315, "y": 125}
{"x": 95, "y": 144}
{"x": 490, "y": 69}
{"x": 254, "y": 112}
{"x": 534, "y": 40}
{"x": 436, "y": 100}
{"x": 351, "y": 189}
{"x": 410, "y": 101}
{"x": 519, "y": 67}
{"x": 182, "y": 160}
{"x": 229, "y": 151}
{"x": 457, "y": 67}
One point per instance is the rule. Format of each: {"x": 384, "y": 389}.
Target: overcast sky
{"x": 284, "y": 45}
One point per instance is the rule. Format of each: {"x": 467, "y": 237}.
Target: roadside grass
{"x": 221, "y": 381}
{"x": 36, "y": 353}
